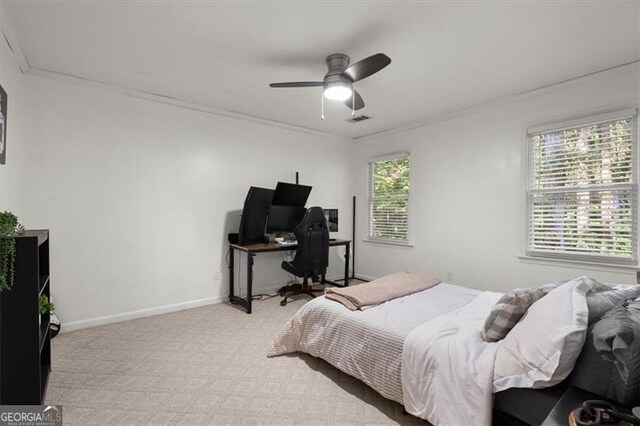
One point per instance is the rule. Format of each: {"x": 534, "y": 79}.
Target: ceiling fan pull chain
{"x": 322, "y": 107}
{"x": 353, "y": 104}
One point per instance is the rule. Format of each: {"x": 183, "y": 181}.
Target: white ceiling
{"x": 447, "y": 56}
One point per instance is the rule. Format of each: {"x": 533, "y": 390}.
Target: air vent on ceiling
{"x": 358, "y": 119}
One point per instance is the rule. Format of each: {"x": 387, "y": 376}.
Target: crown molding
{"x": 629, "y": 67}
{"x": 633, "y": 66}
{"x": 167, "y": 100}
{"x": 12, "y": 42}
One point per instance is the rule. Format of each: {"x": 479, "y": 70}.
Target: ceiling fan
{"x": 338, "y": 81}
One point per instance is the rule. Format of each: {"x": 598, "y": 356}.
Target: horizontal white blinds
{"x": 389, "y": 199}
{"x": 582, "y": 194}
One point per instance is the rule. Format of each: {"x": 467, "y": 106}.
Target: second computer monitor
{"x": 284, "y": 218}
{"x": 291, "y": 194}
{"x": 332, "y": 219}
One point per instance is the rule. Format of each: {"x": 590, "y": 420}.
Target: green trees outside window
{"x": 389, "y": 199}
{"x": 582, "y": 192}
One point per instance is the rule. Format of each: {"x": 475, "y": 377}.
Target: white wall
{"x": 12, "y": 81}
{"x": 469, "y": 190}
{"x": 139, "y": 196}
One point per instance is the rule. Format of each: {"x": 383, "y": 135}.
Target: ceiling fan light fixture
{"x": 337, "y": 91}
{"x": 338, "y": 82}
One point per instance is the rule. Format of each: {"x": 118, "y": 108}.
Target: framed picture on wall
{"x": 3, "y": 125}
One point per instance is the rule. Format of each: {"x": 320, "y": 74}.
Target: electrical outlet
{"x": 450, "y": 276}
{"x": 217, "y": 275}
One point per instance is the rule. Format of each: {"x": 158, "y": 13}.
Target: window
{"x": 389, "y": 199}
{"x": 582, "y": 190}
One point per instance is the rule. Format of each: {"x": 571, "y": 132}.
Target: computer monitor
{"x": 332, "y": 219}
{"x": 254, "y": 215}
{"x": 284, "y": 218}
{"x": 290, "y": 194}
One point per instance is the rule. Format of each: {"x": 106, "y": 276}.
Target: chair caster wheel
{"x": 282, "y": 293}
{"x": 283, "y": 303}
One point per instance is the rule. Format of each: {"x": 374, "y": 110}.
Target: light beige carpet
{"x": 205, "y": 366}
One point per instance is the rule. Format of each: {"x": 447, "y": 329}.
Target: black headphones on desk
{"x": 596, "y": 413}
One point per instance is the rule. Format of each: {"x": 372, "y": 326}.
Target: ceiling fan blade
{"x": 298, "y": 84}
{"x": 364, "y": 68}
{"x": 359, "y": 104}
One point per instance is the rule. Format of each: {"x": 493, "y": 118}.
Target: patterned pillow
{"x": 506, "y": 313}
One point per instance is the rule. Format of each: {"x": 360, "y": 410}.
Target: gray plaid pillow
{"x": 506, "y": 313}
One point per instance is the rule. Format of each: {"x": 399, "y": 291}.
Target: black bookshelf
{"x": 25, "y": 337}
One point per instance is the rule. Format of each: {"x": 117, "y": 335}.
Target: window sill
{"x": 388, "y": 243}
{"x": 579, "y": 264}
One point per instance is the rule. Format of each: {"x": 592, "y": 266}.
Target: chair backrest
{"x": 312, "y": 254}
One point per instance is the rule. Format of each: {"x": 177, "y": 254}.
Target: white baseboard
{"x": 144, "y": 313}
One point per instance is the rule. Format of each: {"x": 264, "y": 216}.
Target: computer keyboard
{"x": 287, "y": 243}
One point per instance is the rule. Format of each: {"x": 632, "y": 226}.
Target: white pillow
{"x": 541, "y": 350}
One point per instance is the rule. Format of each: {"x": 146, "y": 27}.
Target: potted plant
{"x": 46, "y": 306}
{"x": 9, "y": 228}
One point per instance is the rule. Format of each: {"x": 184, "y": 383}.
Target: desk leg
{"x": 346, "y": 265}
{"x": 346, "y": 270}
{"x": 231, "y": 263}
{"x": 237, "y": 300}
{"x": 249, "y": 281}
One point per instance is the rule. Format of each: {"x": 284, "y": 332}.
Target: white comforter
{"x": 447, "y": 368}
{"x": 423, "y": 350}
{"x": 367, "y": 344}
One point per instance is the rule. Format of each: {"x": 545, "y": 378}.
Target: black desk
{"x": 253, "y": 249}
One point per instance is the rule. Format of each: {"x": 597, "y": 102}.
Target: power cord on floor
{"x": 287, "y": 256}
{"x": 264, "y": 296}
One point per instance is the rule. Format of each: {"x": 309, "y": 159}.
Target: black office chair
{"x": 312, "y": 254}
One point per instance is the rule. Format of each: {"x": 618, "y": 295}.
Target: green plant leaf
{"x": 9, "y": 227}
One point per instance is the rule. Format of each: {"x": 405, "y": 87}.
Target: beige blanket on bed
{"x": 368, "y": 295}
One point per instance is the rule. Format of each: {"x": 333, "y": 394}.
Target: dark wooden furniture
{"x": 524, "y": 407}
{"x": 25, "y": 344}
{"x": 253, "y": 249}
{"x": 572, "y": 399}
{"x": 545, "y": 407}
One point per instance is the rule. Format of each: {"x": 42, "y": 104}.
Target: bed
{"x": 423, "y": 350}
{"x": 367, "y": 344}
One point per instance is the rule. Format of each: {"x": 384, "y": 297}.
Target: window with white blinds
{"x": 582, "y": 190}
{"x": 389, "y": 199}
